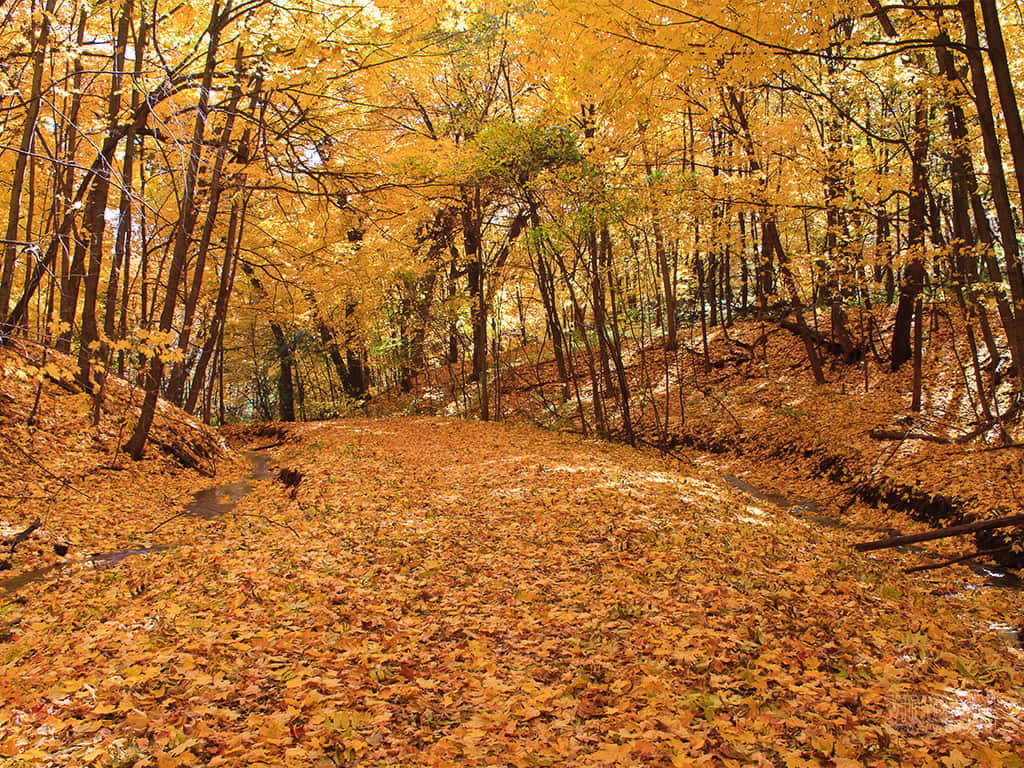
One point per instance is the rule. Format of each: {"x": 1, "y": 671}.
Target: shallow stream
{"x": 811, "y": 511}
{"x": 208, "y": 504}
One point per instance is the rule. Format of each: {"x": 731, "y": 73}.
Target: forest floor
{"x": 852, "y": 446}
{"x": 422, "y": 591}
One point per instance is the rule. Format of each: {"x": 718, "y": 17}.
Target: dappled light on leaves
{"x": 612, "y": 610}
{"x": 754, "y": 267}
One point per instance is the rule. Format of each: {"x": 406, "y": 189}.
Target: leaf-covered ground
{"x": 61, "y": 463}
{"x": 846, "y": 443}
{"x": 454, "y": 593}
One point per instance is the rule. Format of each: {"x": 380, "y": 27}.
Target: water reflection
{"x": 207, "y": 504}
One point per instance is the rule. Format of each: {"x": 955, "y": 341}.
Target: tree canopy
{"x": 259, "y": 208}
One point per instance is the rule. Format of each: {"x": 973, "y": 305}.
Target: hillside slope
{"x": 62, "y": 467}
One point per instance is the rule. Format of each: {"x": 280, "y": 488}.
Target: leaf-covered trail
{"x": 477, "y": 594}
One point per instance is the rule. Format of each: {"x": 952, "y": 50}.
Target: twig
{"x": 31, "y": 420}
{"x": 706, "y": 391}
{"x": 665, "y": 451}
{"x": 23, "y": 535}
{"x": 999, "y": 421}
{"x": 268, "y": 446}
{"x": 64, "y": 481}
{"x": 175, "y": 516}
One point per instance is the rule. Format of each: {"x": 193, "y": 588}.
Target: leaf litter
{"x": 436, "y": 592}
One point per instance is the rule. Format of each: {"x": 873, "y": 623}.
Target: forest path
{"x": 441, "y": 592}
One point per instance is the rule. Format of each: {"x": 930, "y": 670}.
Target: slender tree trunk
{"x": 1004, "y": 87}
{"x": 96, "y": 215}
{"x": 122, "y": 247}
{"x": 39, "y": 51}
{"x": 744, "y": 269}
{"x": 72, "y": 273}
{"x": 1009, "y": 311}
{"x": 453, "y": 333}
{"x": 546, "y": 285}
{"x": 154, "y": 375}
{"x": 964, "y": 188}
{"x": 665, "y": 270}
{"x": 698, "y": 264}
{"x": 236, "y": 226}
{"x": 477, "y": 293}
{"x": 597, "y": 300}
{"x": 914, "y": 272}
{"x": 616, "y": 339}
{"x": 772, "y": 244}
{"x": 600, "y": 420}
{"x": 548, "y": 297}
{"x": 176, "y": 384}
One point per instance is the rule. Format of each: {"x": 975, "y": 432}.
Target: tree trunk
{"x": 597, "y": 301}
{"x": 772, "y": 243}
{"x": 600, "y": 420}
{"x": 616, "y": 340}
{"x": 477, "y": 294}
{"x": 546, "y": 285}
{"x": 914, "y": 272}
{"x": 1004, "y": 87}
{"x": 665, "y": 270}
{"x": 154, "y": 375}
{"x": 176, "y": 384}
{"x": 28, "y": 129}
{"x": 1009, "y": 312}
{"x": 941, "y": 533}
{"x": 96, "y": 213}
{"x": 285, "y": 378}
{"x": 236, "y": 227}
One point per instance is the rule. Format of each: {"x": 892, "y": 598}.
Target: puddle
{"x": 1013, "y": 636}
{"x": 97, "y": 562}
{"x": 207, "y": 504}
{"x": 15, "y": 583}
{"x": 107, "y": 559}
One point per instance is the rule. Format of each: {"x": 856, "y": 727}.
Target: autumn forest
{"x": 462, "y": 382}
{"x": 268, "y": 211}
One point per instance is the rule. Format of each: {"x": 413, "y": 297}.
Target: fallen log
{"x": 851, "y": 355}
{"x": 959, "y": 559}
{"x": 881, "y": 433}
{"x": 182, "y": 452}
{"x": 941, "y": 533}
